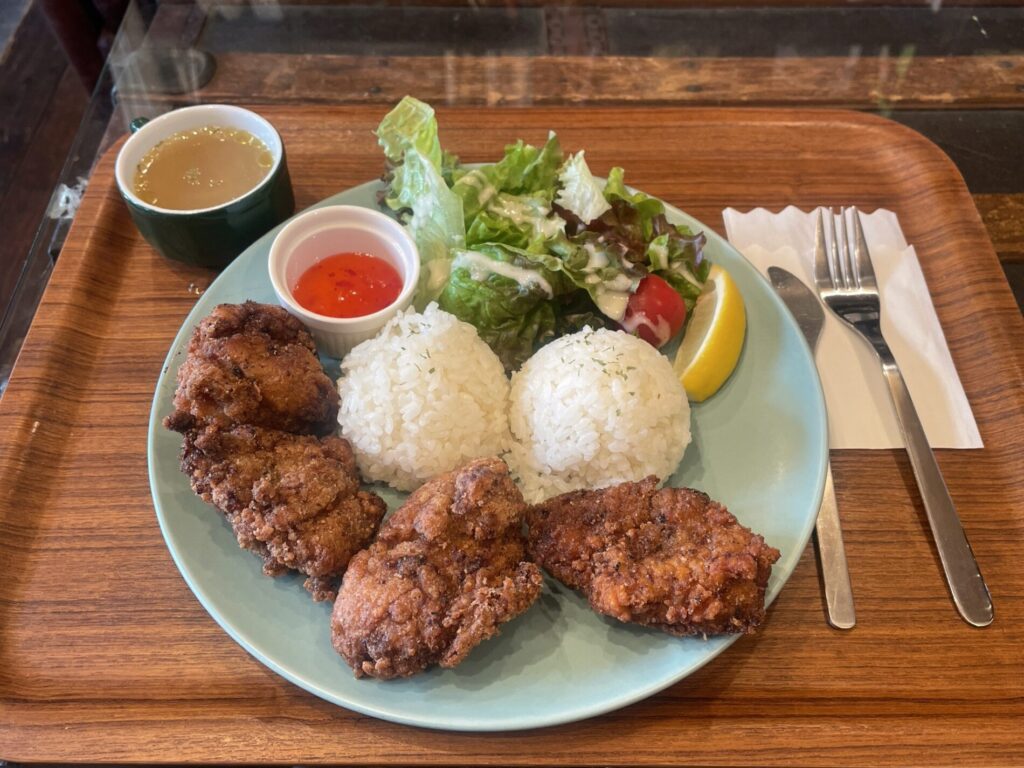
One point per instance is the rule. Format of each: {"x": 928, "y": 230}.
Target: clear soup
{"x": 202, "y": 168}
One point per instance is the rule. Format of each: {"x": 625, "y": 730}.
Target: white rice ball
{"x": 594, "y": 409}
{"x": 422, "y": 397}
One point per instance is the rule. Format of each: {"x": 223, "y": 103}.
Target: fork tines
{"x": 838, "y": 265}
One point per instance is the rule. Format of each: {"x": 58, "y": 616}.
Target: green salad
{"x": 533, "y": 246}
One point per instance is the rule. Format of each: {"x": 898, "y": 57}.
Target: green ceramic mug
{"x": 207, "y": 237}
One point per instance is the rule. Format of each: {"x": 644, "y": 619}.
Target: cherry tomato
{"x": 655, "y": 312}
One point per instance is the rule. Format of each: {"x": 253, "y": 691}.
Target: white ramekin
{"x": 322, "y": 232}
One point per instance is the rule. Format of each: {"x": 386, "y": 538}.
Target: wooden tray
{"x": 105, "y": 656}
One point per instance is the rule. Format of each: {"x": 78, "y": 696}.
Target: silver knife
{"x": 810, "y": 316}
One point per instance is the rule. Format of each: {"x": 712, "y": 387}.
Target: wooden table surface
{"x": 106, "y": 656}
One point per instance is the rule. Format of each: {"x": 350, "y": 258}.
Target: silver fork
{"x": 846, "y": 283}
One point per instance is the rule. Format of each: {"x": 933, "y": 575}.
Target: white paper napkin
{"x": 860, "y": 411}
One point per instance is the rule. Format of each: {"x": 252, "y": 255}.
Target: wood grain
{"x": 1004, "y": 218}
{"x": 864, "y": 82}
{"x": 105, "y": 656}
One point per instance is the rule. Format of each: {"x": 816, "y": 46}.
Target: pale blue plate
{"x": 759, "y": 446}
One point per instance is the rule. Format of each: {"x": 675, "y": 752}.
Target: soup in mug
{"x": 201, "y": 168}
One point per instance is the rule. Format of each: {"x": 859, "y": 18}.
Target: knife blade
{"x": 835, "y": 574}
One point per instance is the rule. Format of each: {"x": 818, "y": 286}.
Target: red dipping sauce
{"x": 348, "y": 285}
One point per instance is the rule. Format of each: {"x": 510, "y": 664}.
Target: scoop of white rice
{"x": 422, "y": 397}
{"x": 594, "y": 409}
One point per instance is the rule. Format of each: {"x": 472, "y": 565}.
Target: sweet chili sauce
{"x": 348, "y": 285}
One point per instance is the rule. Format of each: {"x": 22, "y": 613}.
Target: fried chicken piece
{"x": 445, "y": 572}
{"x": 292, "y": 499}
{"x": 671, "y": 559}
{"x": 253, "y": 364}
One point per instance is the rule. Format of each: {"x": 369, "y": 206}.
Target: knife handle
{"x": 966, "y": 584}
{"x": 832, "y": 555}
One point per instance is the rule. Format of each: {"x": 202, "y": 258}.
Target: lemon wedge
{"x": 714, "y": 338}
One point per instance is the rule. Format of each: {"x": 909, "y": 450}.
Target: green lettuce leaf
{"x": 436, "y": 224}
{"x": 600, "y": 267}
{"x": 638, "y": 238}
{"x": 631, "y": 216}
{"x": 615, "y": 189}
{"x": 410, "y": 125}
{"x": 687, "y": 283}
{"x": 476, "y": 188}
{"x": 524, "y": 169}
{"x": 677, "y": 255}
{"x": 449, "y": 166}
{"x": 580, "y": 194}
{"x": 530, "y": 170}
{"x": 522, "y": 221}
{"x": 506, "y": 293}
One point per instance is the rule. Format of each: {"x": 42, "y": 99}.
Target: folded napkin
{"x": 860, "y": 411}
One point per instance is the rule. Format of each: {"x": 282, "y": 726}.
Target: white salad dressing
{"x": 596, "y": 258}
{"x": 486, "y": 193}
{"x": 661, "y": 329}
{"x": 620, "y": 282}
{"x": 611, "y": 303}
{"x": 436, "y": 275}
{"x": 481, "y": 267}
{"x": 519, "y": 213}
{"x": 476, "y": 178}
{"x": 612, "y": 296}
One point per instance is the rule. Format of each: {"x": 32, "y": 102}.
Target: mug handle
{"x": 137, "y": 123}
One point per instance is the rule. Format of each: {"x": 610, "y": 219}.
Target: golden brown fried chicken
{"x": 445, "y": 572}
{"x": 253, "y": 364}
{"x": 671, "y": 559}
{"x": 292, "y": 499}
